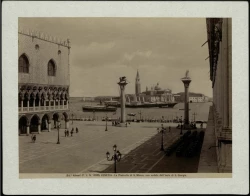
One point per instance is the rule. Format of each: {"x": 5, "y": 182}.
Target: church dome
{"x": 157, "y": 87}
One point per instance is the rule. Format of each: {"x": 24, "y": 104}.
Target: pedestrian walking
{"x": 71, "y": 133}
{"x": 33, "y": 137}
{"x": 169, "y": 128}
{"x": 65, "y": 132}
{"x": 72, "y": 129}
{"x": 76, "y": 130}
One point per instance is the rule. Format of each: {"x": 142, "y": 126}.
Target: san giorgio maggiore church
{"x": 43, "y": 82}
{"x": 154, "y": 94}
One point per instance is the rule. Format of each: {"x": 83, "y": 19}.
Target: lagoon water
{"x": 201, "y": 110}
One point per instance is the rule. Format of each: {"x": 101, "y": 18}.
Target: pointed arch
{"x": 45, "y": 122}
{"x": 22, "y": 124}
{"x": 23, "y": 64}
{"x": 34, "y": 123}
{"x": 52, "y": 67}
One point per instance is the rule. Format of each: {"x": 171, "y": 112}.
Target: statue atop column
{"x": 123, "y": 79}
{"x": 187, "y": 74}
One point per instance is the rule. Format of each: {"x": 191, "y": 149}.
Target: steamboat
{"x": 142, "y": 104}
{"x": 99, "y": 108}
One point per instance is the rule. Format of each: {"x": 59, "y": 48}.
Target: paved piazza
{"x": 85, "y": 151}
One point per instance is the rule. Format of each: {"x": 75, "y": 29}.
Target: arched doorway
{"x": 55, "y": 119}
{"x": 34, "y": 124}
{"x": 23, "y": 125}
{"x": 44, "y": 123}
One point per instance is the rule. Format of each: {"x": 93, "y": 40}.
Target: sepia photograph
{"x": 125, "y": 95}
{"x": 125, "y": 98}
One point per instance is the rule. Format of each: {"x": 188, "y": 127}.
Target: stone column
{"x": 122, "y": 85}
{"x": 49, "y": 125}
{"x": 39, "y": 126}
{"x": 186, "y": 81}
{"x": 28, "y": 129}
{"x": 28, "y": 105}
{"x": 67, "y": 124}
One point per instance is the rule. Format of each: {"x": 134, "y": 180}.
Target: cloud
{"x": 103, "y": 49}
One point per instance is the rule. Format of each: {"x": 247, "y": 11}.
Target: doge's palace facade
{"x": 43, "y": 82}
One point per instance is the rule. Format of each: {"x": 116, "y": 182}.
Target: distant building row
{"x": 193, "y": 97}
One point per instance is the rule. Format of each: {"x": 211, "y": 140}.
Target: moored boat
{"x": 99, "y": 108}
{"x": 149, "y": 105}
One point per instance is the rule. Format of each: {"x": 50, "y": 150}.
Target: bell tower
{"x": 137, "y": 84}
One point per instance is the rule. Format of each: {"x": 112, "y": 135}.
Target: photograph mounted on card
{"x": 124, "y": 97}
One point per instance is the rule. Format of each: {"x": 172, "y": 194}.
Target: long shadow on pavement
{"x": 147, "y": 158}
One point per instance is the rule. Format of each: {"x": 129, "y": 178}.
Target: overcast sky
{"x": 104, "y": 49}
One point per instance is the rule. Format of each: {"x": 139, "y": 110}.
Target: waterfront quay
{"x": 156, "y": 114}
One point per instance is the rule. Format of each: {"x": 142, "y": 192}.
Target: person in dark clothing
{"x": 65, "y": 132}
{"x": 34, "y": 138}
{"x": 72, "y": 132}
{"x": 76, "y": 130}
{"x": 169, "y": 128}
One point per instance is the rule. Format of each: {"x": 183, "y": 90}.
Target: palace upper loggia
{"x": 43, "y": 82}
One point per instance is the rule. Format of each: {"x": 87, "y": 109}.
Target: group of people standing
{"x": 66, "y": 132}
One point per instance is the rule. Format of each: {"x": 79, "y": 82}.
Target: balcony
{"x": 42, "y": 108}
